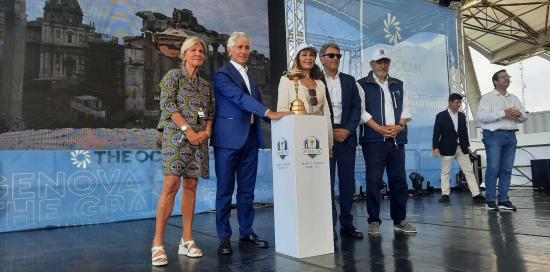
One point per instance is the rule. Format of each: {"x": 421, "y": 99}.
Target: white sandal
{"x": 161, "y": 259}
{"x": 185, "y": 248}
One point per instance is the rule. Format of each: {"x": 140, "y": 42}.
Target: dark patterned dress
{"x": 179, "y": 92}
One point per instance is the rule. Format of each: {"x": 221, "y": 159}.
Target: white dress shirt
{"x": 335, "y": 92}
{"x": 454, "y": 117}
{"x": 243, "y": 71}
{"x": 491, "y": 111}
{"x": 389, "y": 113}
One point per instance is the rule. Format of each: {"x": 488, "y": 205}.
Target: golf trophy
{"x": 297, "y": 105}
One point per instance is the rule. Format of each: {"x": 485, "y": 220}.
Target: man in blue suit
{"x": 450, "y": 140}
{"x": 346, "y": 108}
{"x": 236, "y": 138}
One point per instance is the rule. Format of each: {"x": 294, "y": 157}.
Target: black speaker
{"x": 540, "y": 172}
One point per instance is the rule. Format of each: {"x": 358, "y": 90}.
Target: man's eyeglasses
{"x": 333, "y": 55}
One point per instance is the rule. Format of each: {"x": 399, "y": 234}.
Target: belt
{"x": 503, "y": 130}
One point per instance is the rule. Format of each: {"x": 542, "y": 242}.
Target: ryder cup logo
{"x": 312, "y": 147}
{"x": 80, "y": 158}
{"x": 282, "y": 148}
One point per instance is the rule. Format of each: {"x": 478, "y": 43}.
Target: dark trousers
{"x": 344, "y": 159}
{"x": 242, "y": 163}
{"x": 379, "y": 156}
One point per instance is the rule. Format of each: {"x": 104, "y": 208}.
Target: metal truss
{"x": 348, "y": 48}
{"x": 457, "y": 71}
{"x": 495, "y": 19}
{"x": 295, "y": 27}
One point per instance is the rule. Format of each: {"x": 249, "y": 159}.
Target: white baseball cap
{"x": 381, "y": 53}
{"x": 303, "y": 46}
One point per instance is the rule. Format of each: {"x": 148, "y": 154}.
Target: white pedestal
{"x": 301, "y": 186}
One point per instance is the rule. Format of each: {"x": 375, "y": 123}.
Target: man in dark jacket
{"x": 383, "y": 135}
{"x": 450, "y": 140}
{"x": 346, "y": 114}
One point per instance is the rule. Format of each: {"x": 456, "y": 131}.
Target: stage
{"x": 460, "y": 236}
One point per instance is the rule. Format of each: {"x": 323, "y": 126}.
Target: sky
{"x": 117, "y": 17}
{"x": 536, "y": 71}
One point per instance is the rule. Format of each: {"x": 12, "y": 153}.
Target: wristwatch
{"x": 401, "y": 125}
{"x": 184, "y": 127}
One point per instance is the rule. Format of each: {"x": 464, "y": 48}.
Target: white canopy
{"x": 507, "y": 31}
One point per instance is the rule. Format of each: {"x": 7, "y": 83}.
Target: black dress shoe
{"x": 225, "y": 247}
{"x": 351, "y": 233}
{"x": 254, "y": 239}
{"x": 479, "y": 199}
{"x": 444, "y": 199}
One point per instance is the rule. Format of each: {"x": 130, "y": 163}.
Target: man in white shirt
{"x": 383, "y": 135}
{"x": 346, "y": 109}
{"x": 499, "y": 113}
{"x": 450, "y": 140}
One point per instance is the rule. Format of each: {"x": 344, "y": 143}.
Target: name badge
{"x": 181, "y": 138}
{"x": 201, "y": 113}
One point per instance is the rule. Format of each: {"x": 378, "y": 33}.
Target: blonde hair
{"x": 190, "y": 42}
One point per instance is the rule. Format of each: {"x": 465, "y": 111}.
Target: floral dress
{"x": 194, "y": 100}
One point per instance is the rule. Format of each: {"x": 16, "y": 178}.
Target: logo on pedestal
{"x": 282, "y": 148}
{"x": 312, "y": 147}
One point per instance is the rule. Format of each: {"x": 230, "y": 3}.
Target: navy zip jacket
{"x": 374, "y": 105}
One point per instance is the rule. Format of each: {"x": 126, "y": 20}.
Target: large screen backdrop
{"x": 79, "y": 103}
{"x": 97, "y": 64}
{"x": 422, "y": 39}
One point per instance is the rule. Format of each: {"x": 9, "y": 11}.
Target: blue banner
{"x": 65, "y": 188}
{"x": 422, "y": 40}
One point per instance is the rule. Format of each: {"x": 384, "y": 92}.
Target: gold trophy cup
{"x": 297, "y": 106}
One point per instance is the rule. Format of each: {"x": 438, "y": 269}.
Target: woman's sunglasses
{"x": 312, "y": 97}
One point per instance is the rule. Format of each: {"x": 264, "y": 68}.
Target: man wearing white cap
{"x": 383, "y": 135}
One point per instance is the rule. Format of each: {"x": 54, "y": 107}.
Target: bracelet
{"x": 399, "y": 124}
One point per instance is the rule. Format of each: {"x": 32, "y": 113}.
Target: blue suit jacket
{"x": 351, "y": 106}
{"x": 234, "y": 108}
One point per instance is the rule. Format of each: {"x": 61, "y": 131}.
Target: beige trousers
{"x": 466, "y": 166}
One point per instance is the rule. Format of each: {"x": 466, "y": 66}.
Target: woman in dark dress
{"x": 187, "y": 110}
